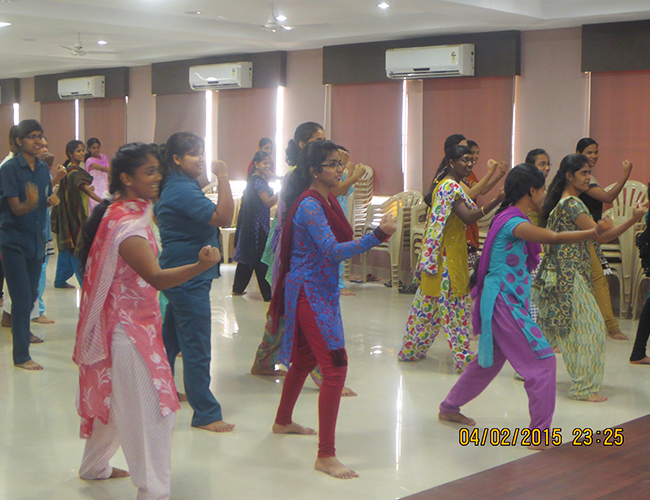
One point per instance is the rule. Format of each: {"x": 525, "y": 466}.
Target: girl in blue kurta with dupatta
{"x": 316, "y": 236}
{"x": 501, "y": 315}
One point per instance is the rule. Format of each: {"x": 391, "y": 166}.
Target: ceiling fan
{"x": 275, "y": 23}
{"x": 78, "y": 51}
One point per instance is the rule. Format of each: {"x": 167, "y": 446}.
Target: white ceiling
{"x": 139, "y": 32}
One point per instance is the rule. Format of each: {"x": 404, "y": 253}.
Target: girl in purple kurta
{"x": 315, "y": 238}
{"x": 501, "y": 310}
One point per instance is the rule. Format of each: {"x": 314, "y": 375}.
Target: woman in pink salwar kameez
{"x": 126, "y": 394}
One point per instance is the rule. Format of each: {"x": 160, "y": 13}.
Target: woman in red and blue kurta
{"x": 315, "y": 238}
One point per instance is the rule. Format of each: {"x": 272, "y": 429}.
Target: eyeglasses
{"x": 333, "y": 164}
{"x": 34, "y": 137}
{"x": 543, "y": 164}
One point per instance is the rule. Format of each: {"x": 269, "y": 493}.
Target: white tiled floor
{"x": 389, "y": 433}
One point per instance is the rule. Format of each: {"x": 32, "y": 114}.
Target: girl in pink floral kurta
{"x": 127, "y": 395}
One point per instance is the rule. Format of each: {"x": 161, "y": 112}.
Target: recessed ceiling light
{"x": 193, "y": 12}
{"x": 383, "y": 5}
{"x": 2, "y": 25}
{"x": 102, "y": 42}
{"x": 281, "y": 18}
{"x": 288, "y": 28}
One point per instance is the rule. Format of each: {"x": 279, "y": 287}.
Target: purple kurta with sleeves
{"x": 315, "y": 257}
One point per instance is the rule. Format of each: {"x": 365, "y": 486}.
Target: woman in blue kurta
{"x": 502, "y": 303}
{"x": 253, "y": 227}
{"x": 316, "y": 237}
{"x": 25, "y": 195}
{"x": 188, "y": 221}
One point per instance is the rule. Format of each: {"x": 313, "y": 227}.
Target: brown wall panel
{"x": 367, "y": 120}
{"x": 117, "y": 83}
{"x": 105, "y": 119}
{"x": 179, "y": 113}
{"x": 269, "y": 70}
{"x": 497, "y": 54}
{"x": 479, "y": 108}
{"x": 6, "y": 122}
{"x": 57, "y": 119}
{"x": 616, "y": 46}
{"x": 10, "y": 90}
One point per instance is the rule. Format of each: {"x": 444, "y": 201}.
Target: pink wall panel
{"x": 6, "y": 121}
{"x": 245, "y": 116}
{"x": 620, "y": 122}
{"x": 57, "y": 119}
{"x": 367, "y": 120}
{"x": 105, "y": 119}
{"x": 479, "y": 108}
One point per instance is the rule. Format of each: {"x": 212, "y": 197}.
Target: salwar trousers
{"x": 311, "y": 350}
{"x": 601, "y": 291}
{"x": 243, "y": 275}
{"x": 135, "y": 423}
{"x": 66, "y": 266}
{"x": 509, "y": 344}
{"x": 187, "y": 327}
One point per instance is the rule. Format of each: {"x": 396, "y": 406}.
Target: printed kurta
{"x": 315, "y": 257}
{"x": 69, "y": 215}
{"x": 113, "y": 293}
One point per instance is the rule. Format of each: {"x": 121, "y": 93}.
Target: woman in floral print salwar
{"x": 564, "y": 290}
{"x": 442, "y": 300}
{"x": 126, "y": 394}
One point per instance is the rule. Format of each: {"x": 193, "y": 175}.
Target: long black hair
{"x": 70, "y": 148}
{"x": 311, "y": 156}
{"x": 178, "y": 144}
{"x": 127, "y": 160}
{"x": 259, "y": 156}
{"x": 22, "y": 130}
{"x": 570, "y": 164}
{"x": 519, "y": 181}
{"x": 584, "y": 143}
{"x": 532, "y": 155}
{"x": 89, "y": 144}
{"x": 303, "y": 133}
{"x": 453, "y": 153}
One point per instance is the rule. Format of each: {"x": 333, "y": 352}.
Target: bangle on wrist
{"x": 483, "y": 210}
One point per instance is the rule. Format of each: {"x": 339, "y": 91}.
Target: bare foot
{"x": 456, "y": 417}
{"x": 180, "y": 354}
{"x": 541, "y": 447}
{"x": 117, "y": 473}
{"x": 218, "y": 426}
{"x": 292, "y": 428}
{"x": 33, "y": 339}
{"x": 556, "y": 350}
{"x": 596, "y": 398}
{"x": 348, "y": 393}
{"x": 346, "y": 291}
{"x": 181, "y": 397}
{"x": 333, "y": 467}
{"x": 616, "y": 334}
{"x": 29, "y": 365}
{"x": 644, "y": 361}
{"x": 43, "y": 320}
{"x": 256, "y": 370}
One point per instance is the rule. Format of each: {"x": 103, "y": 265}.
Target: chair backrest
{"x": 632, "y": 193}
{"x": 359, "y": 201}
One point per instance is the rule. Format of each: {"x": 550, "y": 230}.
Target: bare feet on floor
{"x": 644, "y": 361}
{"x": 617, "y": 334}
{"x": 43, "y": 320}
{"x": 117, "y": 473}
{"x": 346, "y": 291}
{"x": 181, "y": 397}
{"x": 348, "y": 393}
{"x": 456, "y": 417}
{"x": 218, "y": 426}
{"x": 333, "y": 467}
{"x": 596, "y": 398}
{"x": 33, "y": 339}
{"x": 256, "y": 370}
{"x": 292, "y": 428}
{"x": 29, "y": 365}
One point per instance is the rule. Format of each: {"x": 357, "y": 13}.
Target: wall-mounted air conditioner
{"x": 430, "y": 62}
{"x": 82, "y": 88}
{"x": 237, "y": 75}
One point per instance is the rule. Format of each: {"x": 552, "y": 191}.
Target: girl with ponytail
{"x": 564, "y": 287}
{"x": 501, "y": 314}
{"x": 442, "y": 300}
{"x": 126, "y": 392}
{"x": 316, "y": 236}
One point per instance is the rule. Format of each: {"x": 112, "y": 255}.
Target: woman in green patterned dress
{"x": 564, "y": 290}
